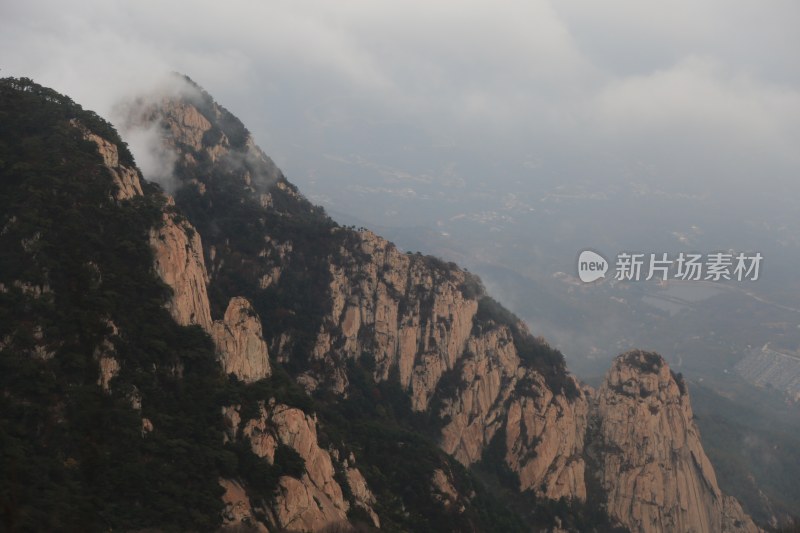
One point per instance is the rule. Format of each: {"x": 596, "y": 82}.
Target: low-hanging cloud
{"x": 138, "y": 122}
{"x": 154, "y": 158}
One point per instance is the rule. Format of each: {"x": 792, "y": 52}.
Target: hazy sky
{"x": 683, "y": 92}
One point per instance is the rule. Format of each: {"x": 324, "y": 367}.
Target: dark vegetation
{"x": 73, "y": 457}
{"x": 680, "y": 381}
{"x": 649, "y": 362}
{"x": 493, "y": 463}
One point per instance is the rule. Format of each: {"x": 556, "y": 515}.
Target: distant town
{"x": 769, "y": 367}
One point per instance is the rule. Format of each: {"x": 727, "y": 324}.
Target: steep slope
{"x": 233, "y": 358}
{"x": 97, "y": 429}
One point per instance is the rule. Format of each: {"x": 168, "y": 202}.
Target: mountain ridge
{"x": 400, "y": 343}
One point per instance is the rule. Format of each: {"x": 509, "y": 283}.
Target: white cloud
{"x": 572, "y": 79}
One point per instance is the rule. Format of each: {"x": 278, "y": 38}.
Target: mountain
{"x": 227, "y": 356}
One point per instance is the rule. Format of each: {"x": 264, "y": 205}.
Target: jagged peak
{"x": 654, "y": 469}
{"x": 642, "y": 373}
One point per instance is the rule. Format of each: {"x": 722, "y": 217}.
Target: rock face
{"x": 544, "y": 441}
{"x": 125, "y": 178}
{"x": 361, "y": 493}
{"x": 238, "y": 513}
{"x": 411, "y": 317}
{"x": 187, "y": 124}
{"x": 242, "y": 349}
{"x": 179, "y": 263}
{"x": 315, "y": 500}
{"x": 196, "y": 136}
{"x": 543, "y": 432}
{"x": 655, "y": 471}
{"x": 109, "y": 368}
{"x": 444, "y": 490}
{"x": 490, "y": 370}
{"x": 412, "y": 314}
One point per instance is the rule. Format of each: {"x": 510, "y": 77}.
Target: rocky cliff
{"x": 655, "y": 471}
{"x": 411, "y": 315}
{"x": 239, "y": 341}
{"x": 233, "y": 352}
{"x": 179, "y": 263}
{"x": 315, "y": 499}
{"x": 126, "y": 177}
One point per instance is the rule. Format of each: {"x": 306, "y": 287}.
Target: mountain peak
{"x": 265, "y": 367}
{"x": 653, "y": 468}
{"x": 642, "y": 374}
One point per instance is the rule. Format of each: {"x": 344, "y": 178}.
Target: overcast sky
{"x": 687, "y": 92}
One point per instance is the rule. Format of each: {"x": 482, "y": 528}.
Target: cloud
{"x": 133, "y": 114}
{"x": 685, "y": 88}
{"x": 154, "y": 158}
{"x": 702, "y": 114}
